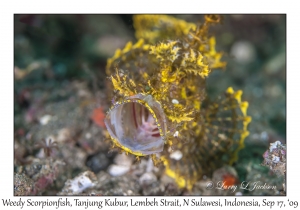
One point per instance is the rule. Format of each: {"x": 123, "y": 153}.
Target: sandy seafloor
{"x": 59, "y": 64}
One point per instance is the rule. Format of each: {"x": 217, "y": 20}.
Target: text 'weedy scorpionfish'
{"x": 160, "y": 107}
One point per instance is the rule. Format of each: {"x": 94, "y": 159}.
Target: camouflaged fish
{"x": 160, "y": 107}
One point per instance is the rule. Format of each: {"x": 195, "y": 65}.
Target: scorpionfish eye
{"x": 138, "y": 123}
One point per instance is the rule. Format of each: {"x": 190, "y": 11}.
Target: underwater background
{"x": 60, "y": 94}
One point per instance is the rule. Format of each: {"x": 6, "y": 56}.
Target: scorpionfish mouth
{"x": 138, "y": 123}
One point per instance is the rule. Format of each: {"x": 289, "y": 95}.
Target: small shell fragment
{"x": 176, "y": 155}
{"x": 175, "y": 101}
